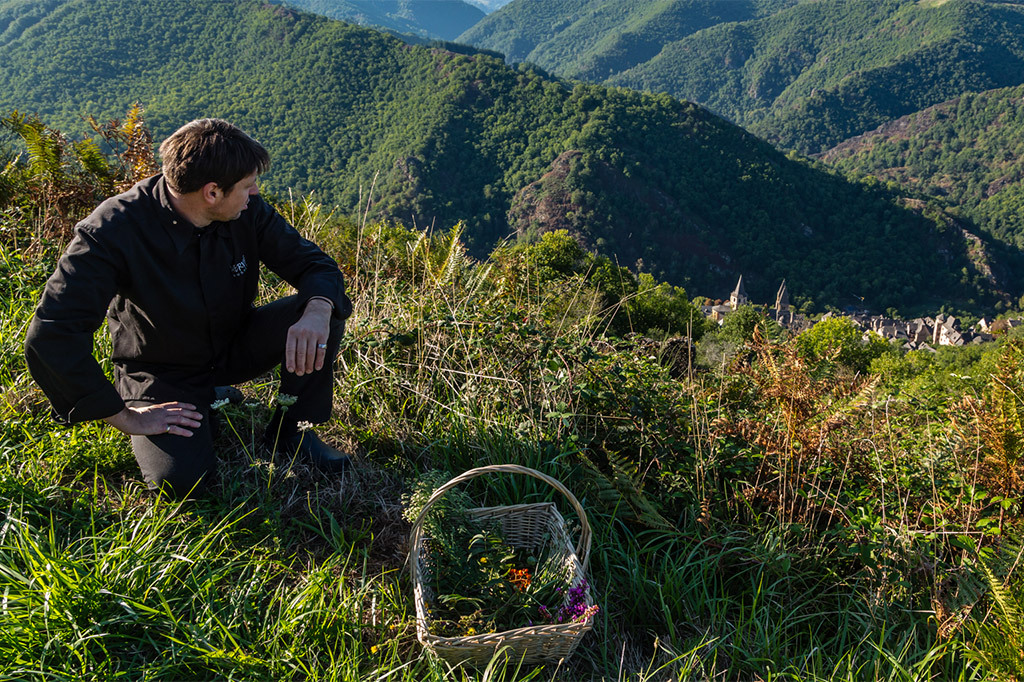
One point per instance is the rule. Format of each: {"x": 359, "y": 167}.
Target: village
{"x": 921, "y": 333}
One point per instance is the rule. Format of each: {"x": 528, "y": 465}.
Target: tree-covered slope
{"x": 432, "y": 138}
{"x": 969, "y": 151}
{"x": 821, "y": 72}
{"x": 593, "y": 39}
{"x": 444, "y": 19}
{"x": 805, "y": 75}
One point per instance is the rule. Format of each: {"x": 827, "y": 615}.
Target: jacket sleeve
{"x": 299, "y": 261}
{"x": 59, "y": 343}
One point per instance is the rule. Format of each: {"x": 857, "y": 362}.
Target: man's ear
{"x": 211, "y": 193}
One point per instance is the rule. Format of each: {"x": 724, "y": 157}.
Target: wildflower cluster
{"x": 285, "y": 400}
{"x": 520, "y": 578}
{"x": 574, "y": 609}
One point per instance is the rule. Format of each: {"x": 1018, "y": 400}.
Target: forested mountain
{"x": 595, "y": 39}
{"x": 805, "y": 75}
{"x": 444, "y": 19}
{"x": 969, "y": 151}
{"x": 435, "y": 137}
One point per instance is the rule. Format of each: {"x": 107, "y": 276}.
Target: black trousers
{"x": 182, "y": 465}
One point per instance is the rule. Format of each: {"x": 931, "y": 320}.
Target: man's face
{"x": 231, "y": 204}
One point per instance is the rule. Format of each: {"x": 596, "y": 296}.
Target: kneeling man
{"x": 173, "y": 264}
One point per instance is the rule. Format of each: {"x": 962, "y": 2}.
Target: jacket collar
{"x": 180, "y": 229}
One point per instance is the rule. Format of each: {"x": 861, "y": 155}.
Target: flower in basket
{"x": 520, "y": 578}
{"x": 575, "y": 608}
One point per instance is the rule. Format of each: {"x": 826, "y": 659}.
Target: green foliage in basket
{"x": 448, "y": 524}
{"x": 478, "y": 581}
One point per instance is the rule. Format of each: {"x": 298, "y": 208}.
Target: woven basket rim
{"x": 582, "y": 547}
{"x": 528, "y": 630}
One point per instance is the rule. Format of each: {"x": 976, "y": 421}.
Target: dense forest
{"x": 443, "y": 19}
{"x": 594, "y": 39}
{"x": 432, "y": 138}
{"x": 804, "y": 75}
{"x": 968, "y": 151}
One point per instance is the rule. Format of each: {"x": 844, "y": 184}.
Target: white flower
{"x": 218, "y": 404}
{"x": 285, "y": 400}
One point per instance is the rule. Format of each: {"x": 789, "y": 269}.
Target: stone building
{"x": 738, "y": 296}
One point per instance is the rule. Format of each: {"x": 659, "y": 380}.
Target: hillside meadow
{"x": 762, "y": 507}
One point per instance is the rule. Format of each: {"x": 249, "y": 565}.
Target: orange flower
{"x": 520, "y": 578}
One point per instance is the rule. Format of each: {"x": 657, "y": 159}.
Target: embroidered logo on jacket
{"x": 238, "y": 269}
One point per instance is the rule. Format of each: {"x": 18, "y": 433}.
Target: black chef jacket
{"x": 173, "y": 296}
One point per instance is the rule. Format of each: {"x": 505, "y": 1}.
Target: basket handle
{"x": 582, "y": 547}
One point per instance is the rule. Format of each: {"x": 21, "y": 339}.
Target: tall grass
{"x": 776, "y": 522}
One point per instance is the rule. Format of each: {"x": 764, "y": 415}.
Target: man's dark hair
{"x": 210, "y": 150}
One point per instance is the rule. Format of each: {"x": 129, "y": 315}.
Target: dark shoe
{"x": 229, "y": 393}
{"x": 308, "y": 445}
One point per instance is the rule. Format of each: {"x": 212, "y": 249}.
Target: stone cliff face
{"x": 545, "y": 205}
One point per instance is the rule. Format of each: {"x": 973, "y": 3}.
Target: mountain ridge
{"x": 968, "y": 151}
{"x": 803, "y": 75}
{"x": 441, "y": 19}
{"x": 440, "y": 137}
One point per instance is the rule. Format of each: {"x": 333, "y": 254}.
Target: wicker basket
{"x": 524, "y": 526}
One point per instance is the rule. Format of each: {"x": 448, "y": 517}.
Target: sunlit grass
{"x": 284, "y": 573}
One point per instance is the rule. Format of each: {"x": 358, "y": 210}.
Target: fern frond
{"x": 45, "y": 149}
{"x": 846, "y": 408}
{"x": 91, "y": 158}
{"x": 1005, "y": 412}
{"x": 623, "y": 486}
{"x": 999, "y": 646}
{"x": 478, "y": 277}
{"x": 455, "y": 263}
{"x": 1005, "y": 605}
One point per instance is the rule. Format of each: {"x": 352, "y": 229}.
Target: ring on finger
{"x": 322, "y": 346}
{"x": 168, "y": 429}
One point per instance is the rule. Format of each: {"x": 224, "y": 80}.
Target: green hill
{"x": 804, "y": 75}
{"x": 594, "y": 39}
{"x": 444, "y": 19}
{"x": 432, "y": 137}
{"x": 968, "y": 151}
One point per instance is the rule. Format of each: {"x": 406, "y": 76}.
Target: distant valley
{"x": 489, "y": 5}
{"x": 433, "y": 137}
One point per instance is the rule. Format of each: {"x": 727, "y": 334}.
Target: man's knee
{"x": 178, "y": 466}
{"x": 181, "y": 487}
{"x": 337, "y": 330}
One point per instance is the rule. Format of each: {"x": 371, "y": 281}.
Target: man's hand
{"x": 306, "y": 346}
{"x": 177, "y": 418}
